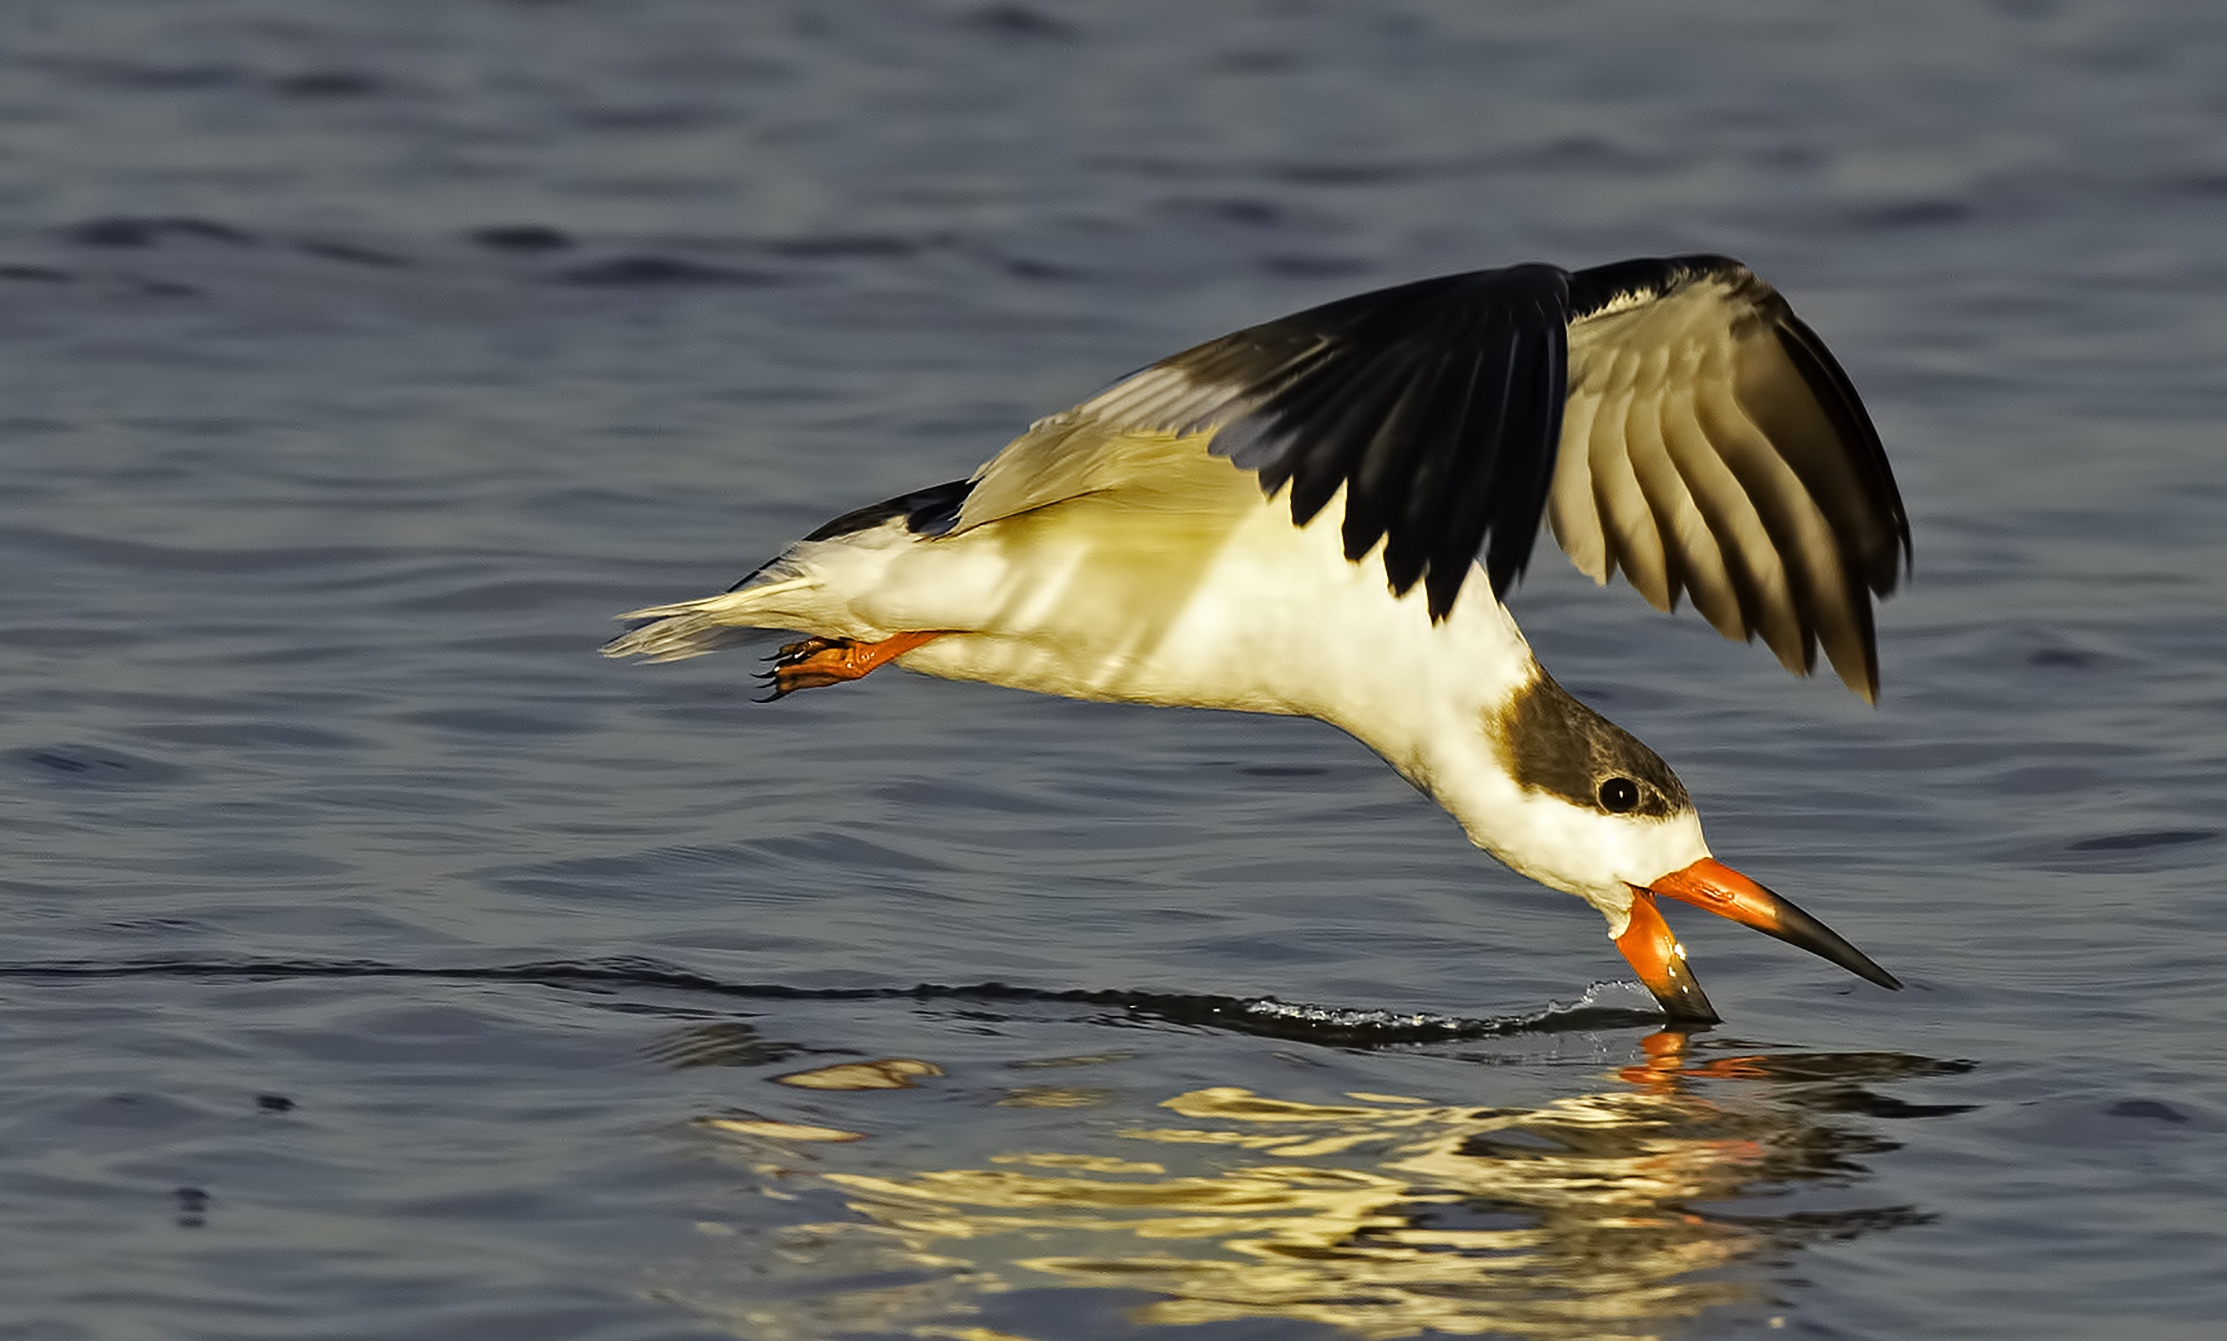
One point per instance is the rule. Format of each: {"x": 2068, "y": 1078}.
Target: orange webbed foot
{"x": 811, "y": 663}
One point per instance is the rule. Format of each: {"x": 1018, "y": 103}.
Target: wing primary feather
{"x": 1527, "y": 474}
{"x": 1445, "y": 425}
{"x": 1410, "y": 489}
{"x": 1425, "y": 419}
{"x": 1836, "y": 395}
{"x": 1576, "y": 519}
{"x": 1346, "y": 437}
{"x": 1523, "y": 474}
{"x": 1742, "y": 540}
{"x": 1460, "y": 512}
{"x": 1322, "y": 426}
{"x": 1852, "y": 645}
{"x": 1660, "y": 490}
{"x": 1635, "y": 543}
{"x": 1795, "y": 531}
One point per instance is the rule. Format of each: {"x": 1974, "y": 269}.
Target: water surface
{"x": 382, "y": 962}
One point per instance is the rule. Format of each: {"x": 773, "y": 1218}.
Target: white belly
{"x": 1242, "y": 610}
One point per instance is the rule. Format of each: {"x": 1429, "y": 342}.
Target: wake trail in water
{"x": 1264, "y": 1016}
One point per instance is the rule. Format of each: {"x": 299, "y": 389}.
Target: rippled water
{"x": 382, "y": 962}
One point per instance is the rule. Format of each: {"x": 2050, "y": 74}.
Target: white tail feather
{"x": 693, "y": 628}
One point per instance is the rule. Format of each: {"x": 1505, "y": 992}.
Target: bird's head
{"x": 1600, "y": 815}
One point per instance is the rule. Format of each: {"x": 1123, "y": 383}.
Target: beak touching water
{"x": 1709, "y": 883}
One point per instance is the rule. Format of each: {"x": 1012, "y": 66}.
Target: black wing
{"x": 1435, "y": 405}
{"x": 1688, "y": 429}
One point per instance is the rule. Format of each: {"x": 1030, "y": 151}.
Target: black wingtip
{"x": 1836, "y": 394}
{"x": 1435, "y": 406}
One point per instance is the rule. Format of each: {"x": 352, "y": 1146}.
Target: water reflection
{"x": 1619, "y": 1213}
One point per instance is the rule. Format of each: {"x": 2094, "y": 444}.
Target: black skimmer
{"x": 1321, "y": 514}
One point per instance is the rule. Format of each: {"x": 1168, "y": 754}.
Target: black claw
{"x": 786, "y": 679}
{"x": 803, "y": 649}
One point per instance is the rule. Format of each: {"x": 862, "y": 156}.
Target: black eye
{"x": 1619, "y": 795}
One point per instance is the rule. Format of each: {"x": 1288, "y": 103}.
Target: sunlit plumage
{"x": 1319, "y": 515}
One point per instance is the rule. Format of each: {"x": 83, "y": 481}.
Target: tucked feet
{"x": 813, "y": 662}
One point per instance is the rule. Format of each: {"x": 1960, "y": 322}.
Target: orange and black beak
{"x": 1711, "y": 884}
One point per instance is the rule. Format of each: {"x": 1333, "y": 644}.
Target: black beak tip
{"x": 1800, "y": 929}
{"x": 1684, "y": 1003}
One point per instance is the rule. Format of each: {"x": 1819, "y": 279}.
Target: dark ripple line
{"x": 1263, "y": 1016}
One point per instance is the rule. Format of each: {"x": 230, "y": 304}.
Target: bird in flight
{"x": 1321, "y": 515}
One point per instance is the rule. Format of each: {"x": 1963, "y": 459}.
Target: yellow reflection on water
{"x": 1383, "y": 1216}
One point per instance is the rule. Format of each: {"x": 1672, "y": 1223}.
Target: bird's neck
{"x": 1425, "y": 696}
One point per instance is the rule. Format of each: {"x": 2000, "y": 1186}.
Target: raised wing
{"x": 1712, "y": 446}
{"x": 1435, "y": 405}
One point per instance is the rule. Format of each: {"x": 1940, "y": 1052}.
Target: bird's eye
{"x": 1619, "y": 795}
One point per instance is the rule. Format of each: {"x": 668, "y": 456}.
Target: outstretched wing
{"x": 1710, "y": 445}
{"x": 1435, "y": 406}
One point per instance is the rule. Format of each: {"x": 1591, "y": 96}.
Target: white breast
{"x": 1089, "y": 599}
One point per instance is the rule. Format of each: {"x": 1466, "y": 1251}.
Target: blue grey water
{"x": 382, "y": 962}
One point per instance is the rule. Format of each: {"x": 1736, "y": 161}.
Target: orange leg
{"x": 814, "y": 662}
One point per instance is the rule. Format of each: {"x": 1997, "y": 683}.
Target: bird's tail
{"x": 693, "y": 628}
